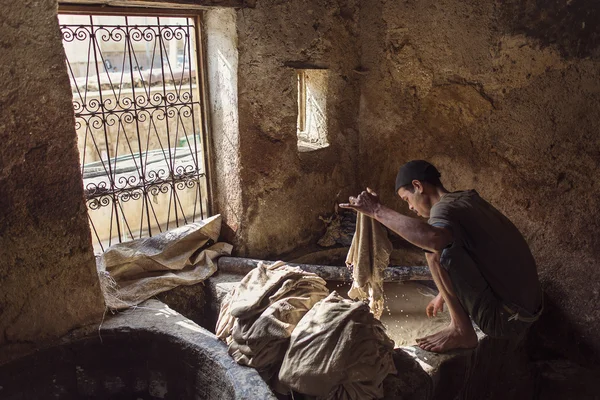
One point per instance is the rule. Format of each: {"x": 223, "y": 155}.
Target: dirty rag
{"x": 338, "y": 351}
{"x": 257, "y": 319}
{"x": 134, "y": 271}
{"x": 368, "y": 257}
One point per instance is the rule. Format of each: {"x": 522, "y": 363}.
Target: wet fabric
{"x": 338, "y": 351}
{"x": 134, "y": 271}
{"x": 368, "y": 257}
{"x": 258, "y": 318}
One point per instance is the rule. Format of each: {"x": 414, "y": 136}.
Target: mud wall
{"x": 284, "y": 190}
{"x": 503, "y": 98}
{"x": 48, "y": 281}
{"x": 222, "y": 69}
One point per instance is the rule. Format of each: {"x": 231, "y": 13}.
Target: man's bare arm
{"x": 414, "y": 230}
{"x": 417, "y": 232}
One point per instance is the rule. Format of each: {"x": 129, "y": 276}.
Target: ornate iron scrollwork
{"x": 137, "y": 114}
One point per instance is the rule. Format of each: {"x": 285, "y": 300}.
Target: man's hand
{"x": 367, "y": 203}
{"x": 414, "y": 230}
{"x": 436, "y": 305}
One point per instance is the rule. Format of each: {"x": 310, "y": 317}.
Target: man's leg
{"x": 460, "y": 333}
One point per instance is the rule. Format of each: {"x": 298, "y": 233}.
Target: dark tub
{"x": 148, "y": 353}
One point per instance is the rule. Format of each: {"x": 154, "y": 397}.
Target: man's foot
{"x": 447, "y": 339}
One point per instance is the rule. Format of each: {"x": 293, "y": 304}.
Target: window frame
{"x": 196, "y": 15}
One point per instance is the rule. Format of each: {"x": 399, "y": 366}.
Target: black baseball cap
{"x": 420, "y": 170}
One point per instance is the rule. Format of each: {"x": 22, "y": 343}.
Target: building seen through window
{"x": 312, "y": 109}
{"x": 139, "y": 121}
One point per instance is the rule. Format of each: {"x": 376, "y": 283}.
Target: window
{"x": 312, "y": 109}
{"x": 137, "y": 95}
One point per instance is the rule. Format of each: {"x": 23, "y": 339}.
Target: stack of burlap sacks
{"x": 283, "y": 322}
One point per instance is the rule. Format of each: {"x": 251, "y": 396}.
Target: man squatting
{"x": 479, "y": 261}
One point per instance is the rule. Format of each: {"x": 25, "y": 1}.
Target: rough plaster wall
{"x": 500, "y": 97}
{"x": 285, "y": 191}
{"x": 48, "y": 282}
{"x": 222, "y": 69}
{"x": 171, "y": 4}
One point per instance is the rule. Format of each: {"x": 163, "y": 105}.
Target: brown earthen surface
{"x": 285, "y": 191}
{"x": 222, "y": 65}
{"x": 500, "y": 98}
{"x": 172, "y": 4}
{"x": 48, "y": 282}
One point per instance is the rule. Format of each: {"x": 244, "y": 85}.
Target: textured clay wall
{"x": 284, "y": 191}
{"x": 503, "y": 97}
{"x": 48, "y": 282}
{"x": 222, "y": 68}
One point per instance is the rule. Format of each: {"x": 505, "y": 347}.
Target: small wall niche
{"x": 312, "y": 109}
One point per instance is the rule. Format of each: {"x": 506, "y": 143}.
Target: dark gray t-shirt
{"x": 493, "y": 243}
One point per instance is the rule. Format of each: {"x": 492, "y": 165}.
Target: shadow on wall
{"x": 573, "y": 26}
{"x": 555, "y": 337}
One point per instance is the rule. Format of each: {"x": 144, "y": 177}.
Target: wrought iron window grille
{"x": 138, "y": 100}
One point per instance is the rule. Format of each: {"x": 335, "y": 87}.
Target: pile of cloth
{"x": 258, "y": 318}
{"x": 338, "y": 351}
{"x": 134, "y": 271}
{"x": 283, "y": 322}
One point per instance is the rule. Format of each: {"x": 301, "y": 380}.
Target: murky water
{"x": 404, "y": 316}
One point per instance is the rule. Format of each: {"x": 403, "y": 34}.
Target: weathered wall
{"x": 503, "y": 97}
{"x": 48, "y": 282}
{"x": 222, "y": 72}
{"x": 170, "y": 4}
{"x": 284, "y": 191}
{"x": 500, "y": 97}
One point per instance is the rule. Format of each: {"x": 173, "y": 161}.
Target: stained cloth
{"x": 368, "y": 257}
{"x": 134, "y": 271}
{"x": 258, "y": 318}
{"x": 338, "y": 351}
